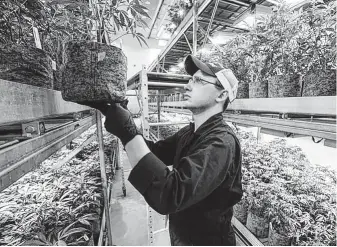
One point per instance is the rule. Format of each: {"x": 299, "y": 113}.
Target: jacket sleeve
{"x": 196, "y": 176}
{"x": 164, "y": 149}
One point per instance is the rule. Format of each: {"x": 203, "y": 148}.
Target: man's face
{"x": 200, "y": 92}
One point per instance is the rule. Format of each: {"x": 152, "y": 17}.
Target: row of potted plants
{"x": 49, "y": 43}
{"x": 286, "y": 198}
{"x": 61, "y": 206}
{"x": 289, "y": 53}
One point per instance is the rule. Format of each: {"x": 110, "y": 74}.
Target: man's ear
{"x": 222, "y": 96}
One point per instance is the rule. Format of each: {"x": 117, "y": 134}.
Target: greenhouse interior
{"x": 195, "y": 122}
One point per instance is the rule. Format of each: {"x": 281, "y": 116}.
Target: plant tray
{"x": 257, "y": 225}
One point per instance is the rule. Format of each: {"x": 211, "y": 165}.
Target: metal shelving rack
{"x": 25, "y": 112}
{"x": 286, "y": 117}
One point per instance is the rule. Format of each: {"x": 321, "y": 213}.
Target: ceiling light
{"x": 166, "y": 35}
{"x": 162, "y": 42}
{"x": 173, "y": 25}
{"x": 181, "y": 12}
{"x": 181, "y": 65}
{"x": 204, "y": 51}
{"x": 174, "y": 69}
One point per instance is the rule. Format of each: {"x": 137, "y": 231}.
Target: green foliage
{"x": 55, "y": 206}
{"x": 284, "y": 42}
{"x": 297, "y": 197}
{"x": 177, "y": 13}
{"x": 59, "y": 21}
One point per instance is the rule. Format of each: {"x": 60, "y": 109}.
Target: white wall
{"x": 137, "y": 55}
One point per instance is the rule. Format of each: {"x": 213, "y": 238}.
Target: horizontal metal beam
{"x": 285, "y": 122}
{"x": 311, "y": 106}
{"x": 321, "y": 105}
{"x": 236, "y": 3}
{"x": 168, "y": 123}
{"x": 248, "y": 120}
{"x": 165, "y": 84}
{"x": 17, "y": 160}
{"x": 224, "y": 22}
{"x": 24, "y": 103}
{"x": 72, "y": 154}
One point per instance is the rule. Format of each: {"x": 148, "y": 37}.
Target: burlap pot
{"x": 258, "y": 89}
{"x": 240, "y": 211}
{"x": 276, "y": 239}
{"x": 257, "y": 225}
{"x": 284, "y": 86}
{"x": 320, "y": 83}
{"x": 243, "y": 90}
{"x": 94, "y": 72}
{"x": 27, "y": 65}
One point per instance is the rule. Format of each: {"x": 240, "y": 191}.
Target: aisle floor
{"x": 129, "y": 214}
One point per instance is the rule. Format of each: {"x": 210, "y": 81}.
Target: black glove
{"x": 119, "y": 122}
{"x": 101, "y": 106}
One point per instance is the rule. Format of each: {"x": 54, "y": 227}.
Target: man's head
{"x": 211, "y": 86}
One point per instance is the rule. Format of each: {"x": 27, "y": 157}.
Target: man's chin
{"x": 186, "y": 104}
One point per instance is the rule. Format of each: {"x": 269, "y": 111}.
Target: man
{"x": 205, "y": 183}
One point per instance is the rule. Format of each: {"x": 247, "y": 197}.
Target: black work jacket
{"x": 205, "y": 182}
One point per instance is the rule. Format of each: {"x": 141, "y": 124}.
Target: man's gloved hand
{"x": 119, "y": 121}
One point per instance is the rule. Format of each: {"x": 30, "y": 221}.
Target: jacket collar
{"x": 207, "y": 124}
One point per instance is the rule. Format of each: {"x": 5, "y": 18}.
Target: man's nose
{"x": 187, "y": 86}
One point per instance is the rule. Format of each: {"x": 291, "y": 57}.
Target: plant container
{"x": 26, "y": 64}
{"x": 94, "y": 72}
{"x": 280, "y": 86}
{"x": 259, "y": 226}
{"x": 241, "y": 212}
{"x": 258, "y": 89}
{"x": 277, "y": 239}
{"x": 319, "y": 83}
{"x": 243, "y": 90}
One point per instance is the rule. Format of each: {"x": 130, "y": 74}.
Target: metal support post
{"x": 163, "y": 68}
{"x": 258, "y": 135}
{"x": 146, "y": 133}
{"x": 158, "y": 64}
{"x": 158, "y": 106}
{"x": 188, "y": 43}
{"x": 195, "y": 26}
{"x": 119, "y": 149}
{"x": 103, "y": 175}
{"x": 211, "y": 21}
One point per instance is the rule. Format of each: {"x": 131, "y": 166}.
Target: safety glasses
{"x": 198, "y": 80}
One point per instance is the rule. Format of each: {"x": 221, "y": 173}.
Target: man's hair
{"x": 226, "y": 104}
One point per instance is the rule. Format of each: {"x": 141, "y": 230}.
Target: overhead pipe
{"x": 155, "y": 17}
